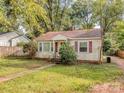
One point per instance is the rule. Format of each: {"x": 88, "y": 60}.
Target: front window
{"x": 46, "y": 47}
{"x": 83, "y": 46}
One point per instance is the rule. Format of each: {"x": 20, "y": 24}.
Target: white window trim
{"x": 51, "y": 46}
{"x": 79, "y": 46}
{"x": 39, "y": 46}
{"x": 43, "y": 47}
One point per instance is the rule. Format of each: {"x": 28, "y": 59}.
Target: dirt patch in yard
{"x": 112, "y": 87}
{"x": 115, "y": 87}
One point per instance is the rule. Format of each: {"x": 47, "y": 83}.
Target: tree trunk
{"x": 101, "y": 48}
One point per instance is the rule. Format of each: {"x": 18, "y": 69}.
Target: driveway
{"x": 118, "y": 61}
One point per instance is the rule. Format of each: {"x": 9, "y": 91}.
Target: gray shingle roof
{"x": 3, "y": 33}
{"x": 87, "y": 33}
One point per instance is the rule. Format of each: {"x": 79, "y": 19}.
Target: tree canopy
{"x": 39, "y": 16}
{"x": 82, "y": 14}
{"x": 4, "y": 23}
{"x": 107, "y": 12}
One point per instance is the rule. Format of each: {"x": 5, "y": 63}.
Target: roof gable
{"x": 59, "y": 37}
{"x": 1, "y": 33}
{"x": 10, "y": 35}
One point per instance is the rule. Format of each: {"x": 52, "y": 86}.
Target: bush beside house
{"x": 30, "y": 48}
{"x": 113, "y": 42}
{"x": 67, "y": 54}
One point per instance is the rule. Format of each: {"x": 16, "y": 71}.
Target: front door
{"x": 57, "y": 47}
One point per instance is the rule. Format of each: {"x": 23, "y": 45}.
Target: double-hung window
{"x": 46, "y": 47}
{"x": 83, "y": 47}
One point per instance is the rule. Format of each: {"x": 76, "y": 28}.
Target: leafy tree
{"x": 30, "y": 48}
{"x": 115, "y": 39}
{"x": 57, "y": 14}
{"x": 21, "y": 44}
{"x": 107, "y": 12}
{"x": 67, "y": 54}
{"x": 121, "y": 40}
{"x": 4, "y": 22}
{"x": 107, "y": 45}
{"x": 82, "y": 14}
{"x": 29, "y": 14}
{"x": 110, "y": 44}
{"x": 119, "y": 32}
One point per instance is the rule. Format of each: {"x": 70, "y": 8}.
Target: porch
{"x": 49, "y": 49}
{"x": 57, "y": 45}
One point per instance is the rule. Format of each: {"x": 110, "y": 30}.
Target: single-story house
{"x": 11, "y": 38}
{"x": 86, "y": 43}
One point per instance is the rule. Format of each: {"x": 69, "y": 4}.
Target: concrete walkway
{"x": 118, "y": 61}
{"x": 16, "y": 75}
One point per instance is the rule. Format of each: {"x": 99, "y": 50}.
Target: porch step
{"x": 57, "y": 61}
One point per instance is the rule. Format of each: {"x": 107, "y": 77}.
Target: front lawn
{"x": 63, "y": 79}
{"x": 14, "y": 65}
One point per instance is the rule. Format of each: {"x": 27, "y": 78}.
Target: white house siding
{"x": 8, "y": 36}
{"x": 15, "y": 41}
{"x": 86, "y": 55}
{"x": 94, "y": 56}
{"x": 45, "y": 55}
{"x": 11, "y": 38}
{"x": 4, "y": 43}
{"x": 4, "y": 38}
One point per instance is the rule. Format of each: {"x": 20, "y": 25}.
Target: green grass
{"x": 13, "y": 65}
{"x": 63, "y": 79}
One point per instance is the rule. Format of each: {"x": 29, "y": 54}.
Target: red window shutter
{"x": 76, "y": 46}
{"x": 90, "y": 46}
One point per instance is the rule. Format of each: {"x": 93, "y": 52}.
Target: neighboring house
{"x": 86, "y": 43}
{"x": 11, "y": 38}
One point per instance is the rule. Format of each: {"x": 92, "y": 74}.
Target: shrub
{"x": 30, "y": 48}
{"x": 121, "y": 40}
{"x": 121, "y": 47}
{"x": 106, "y": 45}
{"x": 21, "y": 44}
{"x": 110, "y": 46}
{"x": 111, "y": 52}
{"x": 67, "y": 54}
